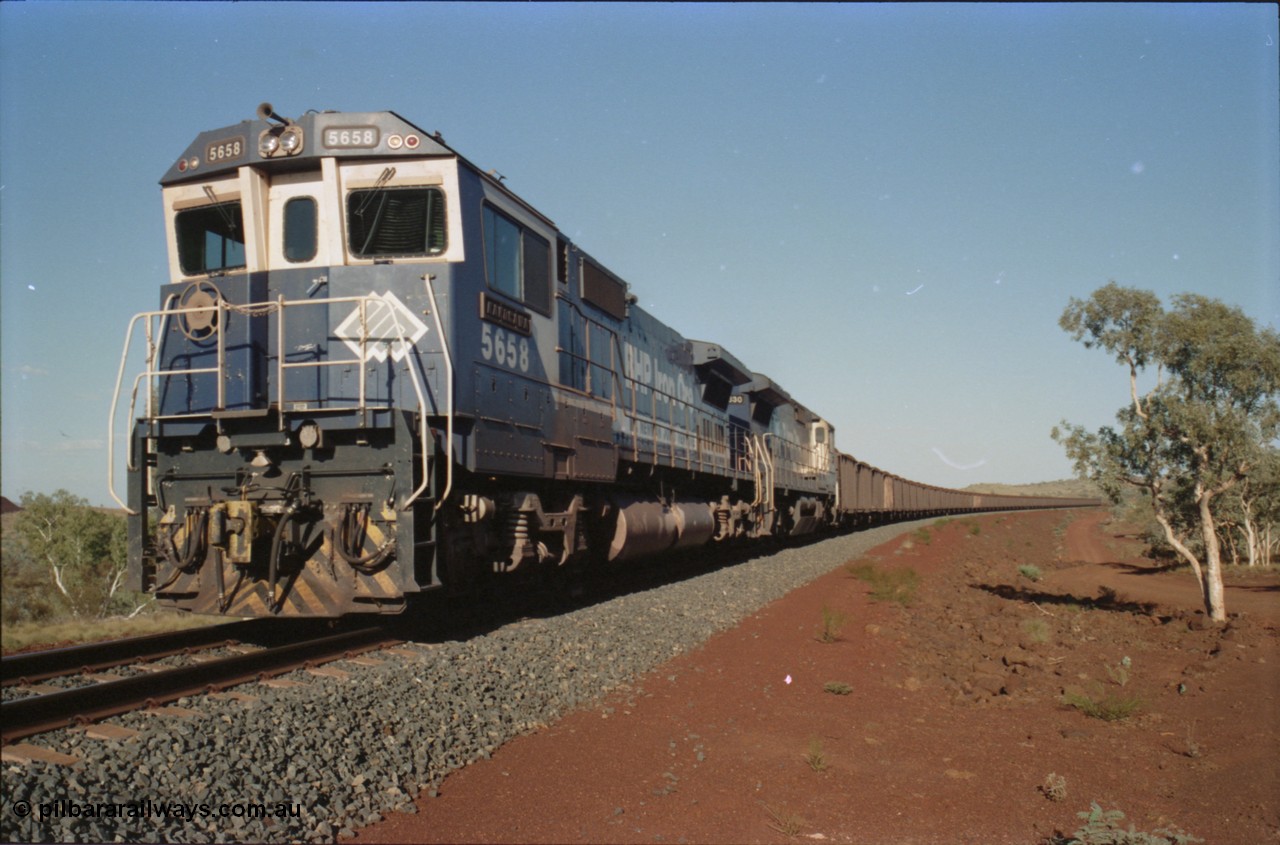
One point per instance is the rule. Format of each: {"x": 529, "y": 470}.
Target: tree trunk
{"x": 1229, "y": 538}
{"x": 1251, "y": 540}
{"x": 1181, "y": 548}
{"x": 141, "y": 607}
{"x": 1249, "y": 530}
{"x": 1214, "y": 601}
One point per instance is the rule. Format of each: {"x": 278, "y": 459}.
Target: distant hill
{"x": 1067, "y": 487}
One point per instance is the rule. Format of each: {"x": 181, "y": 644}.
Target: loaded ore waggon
{"x": 376, "y": 371}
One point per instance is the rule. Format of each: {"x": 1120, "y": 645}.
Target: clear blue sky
{"x": 884, "y": 208}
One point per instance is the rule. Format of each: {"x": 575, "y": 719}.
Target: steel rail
{"x": 34, "y": 666}
{"x": 36, "y": 714}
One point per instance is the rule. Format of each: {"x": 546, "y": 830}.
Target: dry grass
{"x": 832, "y": 622}
{"x": 815, "y": 756}
{"x": 788, "y": 824}
{"x": 29, "y": 635}
{"x": 895, "y": 585}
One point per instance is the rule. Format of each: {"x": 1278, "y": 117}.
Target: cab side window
{"x": 517, "y": 261}
{"x": 210, "y": 238}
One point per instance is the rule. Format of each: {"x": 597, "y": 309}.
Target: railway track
{"x": 32, "y": 715}
{"x": 36, "y": 666}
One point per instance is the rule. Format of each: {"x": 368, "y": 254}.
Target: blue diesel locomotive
{"x": 376, "y": 371}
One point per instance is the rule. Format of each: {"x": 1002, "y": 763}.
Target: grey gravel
{"x": 339, "y": 754}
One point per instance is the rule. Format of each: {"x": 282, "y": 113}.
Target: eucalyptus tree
{"x": 1198, "y": 431}
{"x": 83, "y": 549}
{"x": 1254, "y": 509}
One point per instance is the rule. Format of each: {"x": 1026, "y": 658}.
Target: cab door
{"x": 300, "y": 216}
{"x": 301, "y": 247}
{"x": 820, "y": 447}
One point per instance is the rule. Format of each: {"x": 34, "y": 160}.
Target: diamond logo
{"x": 390, "y": 328}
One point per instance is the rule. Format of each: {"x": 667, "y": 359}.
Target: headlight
{"x": 268, "y": 144}
{"x": 291, "y": 140}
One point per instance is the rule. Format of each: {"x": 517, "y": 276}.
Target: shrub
{"x": 1120, "y": 672}
{"x": 1109, "y": 708}
{"x": 1030, "y": 572}
{"x": 1037, "y": 630}
{"x": 815, "y": 757}
{"x": 832, "y": 622}
{"x": 1054, "y": 787}
{"x": 788, "y": 824}
{"x": 838, "y": 688}
{"x": 896, "y": 585}
{"x": 1103, "y": 827}
{"x": 81, "y": 552}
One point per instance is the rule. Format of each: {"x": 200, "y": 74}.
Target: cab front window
{"x": 396, "y": 222}
{"x": 210, "y": 238}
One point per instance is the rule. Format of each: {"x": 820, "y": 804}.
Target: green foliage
{"x": 1200, "y": 431}
{"x": 80, "y": 551}
{"x": 1249, "y": 513}
{"x": 837, "y": 688}
{"x": 923, "y": 535}
{"x": 1030, "y": 572}
{"x": 26, "y": 597}
{"x": 896, "y": 585}
{"x": 1109, "y": 707}
{"x": 1104, "y": 827}
{"x": 832, "y": 622}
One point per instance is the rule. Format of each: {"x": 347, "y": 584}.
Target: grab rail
{"x": 448, "y": 374}
{"x": 152, "y": 372}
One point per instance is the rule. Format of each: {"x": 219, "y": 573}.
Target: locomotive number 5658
{"x": 504, "y": 348}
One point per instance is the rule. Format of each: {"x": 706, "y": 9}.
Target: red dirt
{"x": 954, "y": 722}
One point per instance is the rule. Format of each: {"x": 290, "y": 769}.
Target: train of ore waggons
{"x": 376, "y": 371}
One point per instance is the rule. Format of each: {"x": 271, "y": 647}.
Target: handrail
{"x": 623, "y": 384}
{"x": 152, "y": 372}
{"x": 422, "y": 401}
{"x": 766, "y": 458}
{"x": 115, "y": 396}
{"x": 448, "y": 372}
{"x": 400, "y": 337}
